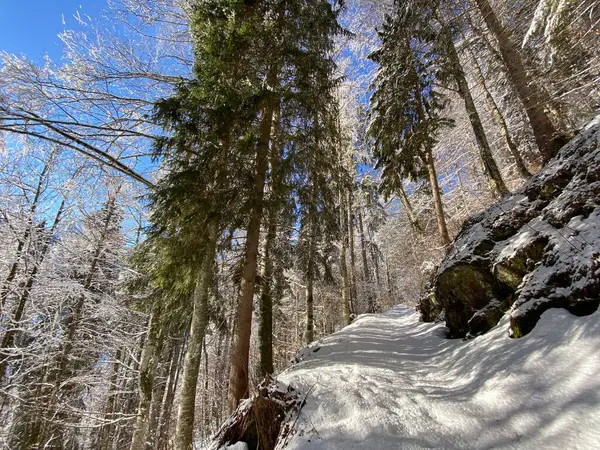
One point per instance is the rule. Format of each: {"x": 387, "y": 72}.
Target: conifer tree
{"x": 405, "y": 114}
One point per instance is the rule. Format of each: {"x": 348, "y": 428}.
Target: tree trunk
{"x": 164, "y": 421}
{"x": 500, "y": 121}
{"x": 184, "y": 432}
{"x": 547, "y": 138}
{"x": 374, "y": 251}
{"x": 490, "y": 166}
{"x": 51, "y": 428}
{"x": 354, "y": 290}
{"x": 148, "y": 365}
{"x": 388, "y": 280}
{"x": 363, "y": 247}
{"x": 365, "y": 262}
{"x": 205, "y": 396}
{"x": 238, "y": 375}
{"x": 265, "y": 324}
{"x": 410, "y": 212}
{"x": 309, "y": 335}
{"x": 217, "y": 378}
{"x": 343, "y": 267}
{"x": 104, "y": 435}
{"x": 437, "y": 199}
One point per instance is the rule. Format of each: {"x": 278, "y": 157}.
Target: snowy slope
{"x": 389, "y": 381}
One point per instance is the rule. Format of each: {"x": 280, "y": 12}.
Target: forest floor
{"x": 389, "y": 381}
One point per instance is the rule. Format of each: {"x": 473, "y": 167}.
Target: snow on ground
{"x": 389, "y": 381}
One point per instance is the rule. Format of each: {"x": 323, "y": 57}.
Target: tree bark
{"x": 238, "y": 375}
{"x": 343, "y": 267}
{"x": 366, "y": 272}
{"x": 500, "y": 121}
{"x": 184, "y": 432}
{"x": 309, "y": 335}
{"x": 265, "y": 324}
{"x": 546, "y": 136}
{"x": 354, "y": 288}
{"x": 437, "y": 199}
{"x": 410, "y": 212}
{"x": 489, "y": 165}
{"x": 148, "y": 365}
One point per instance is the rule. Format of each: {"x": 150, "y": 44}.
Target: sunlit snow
{"x": 389, "y": 381}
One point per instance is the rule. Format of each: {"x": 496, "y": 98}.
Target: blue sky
{"x": 31, "y": 26}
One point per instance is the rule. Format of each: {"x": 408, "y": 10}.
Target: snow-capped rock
{"x": 534, "y": 250}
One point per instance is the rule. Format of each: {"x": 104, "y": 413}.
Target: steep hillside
{"x": 534, "y": 250}
{"x": 390, "y": 381}
{"x": 524, "y": 268}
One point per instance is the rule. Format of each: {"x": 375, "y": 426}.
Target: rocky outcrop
{"x": 534, "y": 250}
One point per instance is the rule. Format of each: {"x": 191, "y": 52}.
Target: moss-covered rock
{"x": 429, "y": 307}
{"x": 534, "y": 250}
{"x": 512, "y": 268}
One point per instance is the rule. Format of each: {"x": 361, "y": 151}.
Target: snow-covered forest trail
{"x": 389, "y": 381}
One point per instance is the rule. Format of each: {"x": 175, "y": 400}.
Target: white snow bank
{"x": 389, "y": 381}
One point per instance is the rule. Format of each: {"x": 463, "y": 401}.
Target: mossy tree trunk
{"x": 184, "y": 431}
{"x": 148, "y": 366}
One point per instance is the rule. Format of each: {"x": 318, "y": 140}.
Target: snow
{"x": 389, "y": 381}
{"x": 238, "y": 446}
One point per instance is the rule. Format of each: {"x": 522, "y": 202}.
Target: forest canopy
{"x": 198, "y": 188}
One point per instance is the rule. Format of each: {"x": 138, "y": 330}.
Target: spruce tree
{"x": 405, "y": 112}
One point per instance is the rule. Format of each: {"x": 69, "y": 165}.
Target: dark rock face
{"x": 534, "y": 250}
